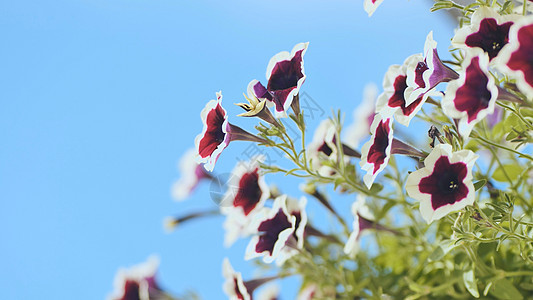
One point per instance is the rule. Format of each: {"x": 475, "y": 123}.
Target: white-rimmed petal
{"x": 285, "y": 74}
{"x": 488, "y": 31}
{"x": 136, "y": 281}
{"x": 363, "y": 116}
{"x": 274, "y": 229}
{"x": 375, "y": 153}
{"x": 233, "y": 286}
{"x": 444, "y": 185}
{"x": 214, "y": 137}
{"x": 473, "y": 96}
{"x": 516, "y": 58}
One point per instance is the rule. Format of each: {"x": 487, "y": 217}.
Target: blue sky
{"x": 98, "y": 100}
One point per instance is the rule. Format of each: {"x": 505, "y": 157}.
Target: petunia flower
{"x": 285, "y": 75}
{"x": 375, "y": 153}
{"x": 444, "y": 185}
{"x": 426, "y": 73}
{"x": 247, "y": 190}
{"x": 297, "y": 210}
{"x": 516, "y": 58}
{"x": 275, "y": 231}
{"x": 473, "y": 96}
{"x": 246, "y": 194}
{"x": 234, "y": 286}
{"x": 256, "y": 107}
{"x": 363, "y": 116}
{"x": 191, "y": 174}
{"x": 488, "y": 30}
{"x": 363, "y": 220}
{"x": 137, "y": 282}
{"x": 371, "y": 6}
{"x": 392, "y": 101}
{"x": 218, "y": 133}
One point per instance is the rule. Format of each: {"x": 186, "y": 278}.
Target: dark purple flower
{"x": 217, "y": 133}
{"x": 516, "y": 58}
{"x": 234, "y": 286}
{"x": 274, "y": 230}
{"x": 444, "y": 185}
{"x": 375, "y": 153}
{"x": 392, "y": 101}
{"x": 488, "y": 31}
{"x": 285, "y": 75}
{"x": 246, "y": 195}
{"x": 137, "y": 282}
{"x": 426, "y": 73}
{"x": 473, "y": 96}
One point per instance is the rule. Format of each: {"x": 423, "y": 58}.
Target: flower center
{"x": 449, "y": 183}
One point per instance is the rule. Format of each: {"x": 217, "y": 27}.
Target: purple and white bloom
{"x": 363, "y": 219}
{"x": 444, "y": 185}
{"x": 323, "y": 146}
{"x": 217, "y": 133}
{"x": 371, "y": 6}
{"x": 488, "y": 31}
{"x": 363, "y": 116}
{"x": 516, "y": 58}
{"x": 246, "y": 195}
{"x": 375, "y": 153}
{"x": 392, "y": 101}
{"x": 137, "y": 282}
{"x": 297, "y": 210}
{"x": 426, "y": 73}
{"x": 191, "y": 174}
{"x": 214, "y": 137}
{"x": 234, "y": 286}
{"x": 285, "y": 74}
{"x": 247, "y": 190}
{"x": 473, "y": 96}
{"x": 275, "y": 230}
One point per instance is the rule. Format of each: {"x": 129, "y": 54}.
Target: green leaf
{"x": 444, "y": 247}
{"x": 504, "y": 289}
{"x": 479, "y": 184}
{"x": 471, "y": 283}
{"x": 512, "y": 170}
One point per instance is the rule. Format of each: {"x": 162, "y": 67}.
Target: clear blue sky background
{"x": 98, "y": 100}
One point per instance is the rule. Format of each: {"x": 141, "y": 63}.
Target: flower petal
{"x": 214, "y": 137}
{"x": 285, "y": 75}
{"x": 473, "y": 96}
{"x": 375, "y": 153}
{"x": 516, "y": 58}
{"x": 444, "y": 185}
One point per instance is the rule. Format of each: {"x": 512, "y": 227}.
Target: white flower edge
{"x": 283, "y": 237}
{"x": 282, "y": 56}
{"x": 211, "y": 160}
{"x": 229, "y": 285}
{"x": 505, "y": 54}
{"x": 370, "y": 176}
{"x": 413, "y": 180}
{"x": 448, "y": 104}
{"x": 137, "y": 273}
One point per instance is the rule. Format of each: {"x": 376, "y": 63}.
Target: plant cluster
{"x": 449, "y": 217}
